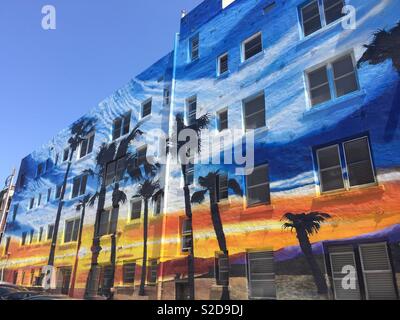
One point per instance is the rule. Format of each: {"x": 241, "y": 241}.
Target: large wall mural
{"x": 316, "y": 218}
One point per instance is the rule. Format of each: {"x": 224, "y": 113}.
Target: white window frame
{"x": 72, "y": 231}
{"x": 331, "y": 80}
{"x": 226, "y": 54}
{"x": 218, "y": 114}
{"x": 190, "y": 51}
{"x": 344, "y": 167}
{"x": 246, "y": 100}
{"x": 321, "y": 10}
{"x": 341, "y": 169}
{"x": 149, "y": 100}
{"x": 131, "y": 220}
{"x": 88, "y": 137}
{"x": 258, "y": 185}
{"x": 370, "y": 159}
{"x": 244, "y": 42}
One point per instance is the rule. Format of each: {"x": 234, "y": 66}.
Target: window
{"x": 194, "y": 48}
{"x": 40, "y": 236}
{"x": 40, "y": 170}
{"x": 252, "y": 46}
{"x": 66, "y": 155}
{"x": 86, "y": 146}
{"x": 31, "y": 203}
{"x": 48, "y": 164}
{"x": 71, "y": 230}
{"x": 141, "y": 156}
{"x": 374, "y": 278}
{"x": 167, "y": 96}
{"x": 359, "y": 165}
{"x": 222, "y": 269}
{"x": 39, "y": 202}
{"x": 59, "y": 191}
{"x": 254, "y": 112}
{"x": 115, "y": 171}
{"x": 121, "y": 126}
{"x": 186, "y": 235}
{"x": 223, "y": 64}
{"x": 222, "y": 187}
{"x": 23, "y": 238}
{"x": 79, "y": 186}
{"x": 7, "y": 246}
{"x": 334, "y": 79}
{"x": 330, "y": 169}
{"x": 319, "y": 13}
{"x": 146, "y": 108}
{"x": 128, "y": 272}
{"x": 108, "y": 222}
{"x": 257, "y": 186}
{"x": 56, "y": 159}
{"x": 153, "y": 272}
{"x": 158, "y": 204}
{"x": 261, "y": 275}
{"x": 191, "y": 110}
{"x": 15, "y": 212}
{"x": 136, "y": 209}
{"x": 31, "y": 234}
{"x": 49, "y": 192}
{"x": 50, "y": 231}
{"x": 222, "y": 120}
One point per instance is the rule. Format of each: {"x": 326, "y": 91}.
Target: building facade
{"x": 310, "y": 88}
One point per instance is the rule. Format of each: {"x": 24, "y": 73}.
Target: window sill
{"x": 257, "y": 211}
{"x": 68, "y": 245}
{"x": 360, "y": 191}
{"x": 338, "y": 103}
{"x": 84, "y": 158}
{"x": 305, "y": 39}
{"x": 222, "y": 76}
{"x": 251, "y": 60}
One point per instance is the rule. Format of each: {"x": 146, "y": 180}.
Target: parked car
{"x": 12, "y": 285}
{"x": 19, "y": 295}
{"x": 4, "y": 291}
{"x": 49, "y": 297}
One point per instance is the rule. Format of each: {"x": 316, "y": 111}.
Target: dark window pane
{"x": 129, "y": 273}
{"x": 91, "y": 144}
{"x": 223, "y": 120}
{"x": 146, "y": 109}
{"x": 320, "y": 95}
{"x": 255, "y": 113}
{"x": 66, "y": 154}
{"x": 252, "y": 47}
{"x": 127, "y": 123}
{"x": 329, "y": 157}
{"x": 76, "y": 186}
{"x": 84, "y": 148}
{"x": 83, "y": 184}
{"x": 333, "y": 10}
{"x": 257, "y": 185}
{"x": 311, "y": 18}
{"x": 194, "y": 47}
{"x": 136, "y": 209}
{"x": 113, "y": 221}
{"x": 332, "y": 179}
{"x": 223, "y": 64}
{"x": 191, "y": 110}
{"x": 50, "y": 231}
{"x": 318, "y": 77}
{"x": 117, "y": 128}
{"x": 359, "y": 163}
{"x": 75, "y": 229}
{"x": 110, "y": 172}
{"x": 68, "y": 231}
{"x": 346, "y": 85}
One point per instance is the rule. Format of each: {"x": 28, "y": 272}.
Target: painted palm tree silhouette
{"x": 148, "y": 190}
{"x": 118, "y": 197}
{"x": 81, "y": 206}
{"x": 305, "y": 225}
{"x": 79, "y": 132}
{"x": 106, "y": 154}
{"x": 209, "y": 185}
{"x": 181, "y": 150}
{"x": 385, "y": 45}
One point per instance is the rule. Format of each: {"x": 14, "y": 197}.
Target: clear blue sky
{"x": 48, "y": 79}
